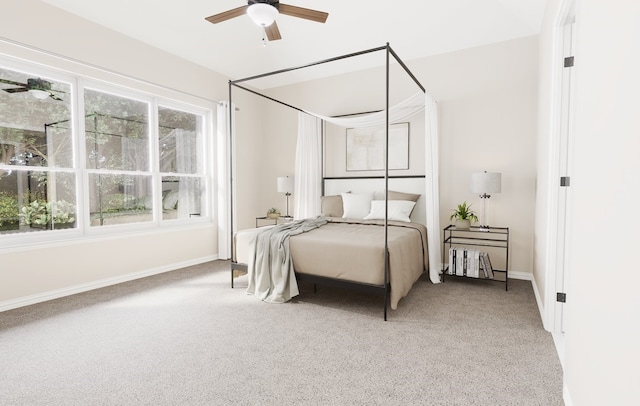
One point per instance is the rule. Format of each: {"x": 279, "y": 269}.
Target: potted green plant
{"x": 273, "y": 213}
{"x": 463, "y": 215}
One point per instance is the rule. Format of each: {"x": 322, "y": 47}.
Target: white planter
{"x": 463, "y": 224}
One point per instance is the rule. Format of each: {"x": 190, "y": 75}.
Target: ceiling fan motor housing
{"x": 274, "y": 3}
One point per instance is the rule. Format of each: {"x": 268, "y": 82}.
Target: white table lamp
{"x": 285, "y": 185}
{"x": 486, "y": 183}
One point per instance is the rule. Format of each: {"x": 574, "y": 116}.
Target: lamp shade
{"x": 285, "y": 184}
{"x": 486, "y": 182}
{"x": 262, "y": 14}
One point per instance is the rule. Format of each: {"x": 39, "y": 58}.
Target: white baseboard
{"x": 72, "y": 290}
{"x": 525, "y": 276}
{"x": 536, "y": 293}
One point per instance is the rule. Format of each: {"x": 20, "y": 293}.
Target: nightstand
{"x": 267, "y": 221}
{"x": 468, "y": 246}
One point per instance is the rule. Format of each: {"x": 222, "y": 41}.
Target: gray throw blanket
{"x": 271, "y": 275}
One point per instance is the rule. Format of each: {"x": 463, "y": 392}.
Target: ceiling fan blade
{"x": 273, "y": 33}
{"x": 11, "y": 82}
{"x": 227, "y": 15}
{"x": 16, "y": 90}
{"x": 300, "y": 12}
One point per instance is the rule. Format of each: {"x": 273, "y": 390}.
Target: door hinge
{"x": 561, "y": 297}
{"x": 565, "y": 181}
{"x": 568, "y": 61}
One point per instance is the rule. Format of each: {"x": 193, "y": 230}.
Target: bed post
{"x": 387, "y": 281}
{"x": 387, "y": 285}
{"x": 231, "y": 178}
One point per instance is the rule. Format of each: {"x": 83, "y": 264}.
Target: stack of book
{"x": 469, "y": 262}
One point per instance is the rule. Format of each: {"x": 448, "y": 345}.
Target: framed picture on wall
{"x": 365, "y": 148}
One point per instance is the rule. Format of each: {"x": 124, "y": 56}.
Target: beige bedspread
{"x": 353, "y": 250}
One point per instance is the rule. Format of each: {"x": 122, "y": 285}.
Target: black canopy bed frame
{"x": 384, "y": 289}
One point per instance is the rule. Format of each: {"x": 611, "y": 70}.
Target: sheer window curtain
{"x": 223, "y": 182}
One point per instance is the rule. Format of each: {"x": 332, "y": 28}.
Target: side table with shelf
{"x": 495, "y": 237}
{"x": 264, "y": 221}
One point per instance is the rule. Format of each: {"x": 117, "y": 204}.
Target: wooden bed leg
{"x": 231, "y": 278}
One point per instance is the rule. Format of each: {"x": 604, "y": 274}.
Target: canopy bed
{"x": 383, "y": 249}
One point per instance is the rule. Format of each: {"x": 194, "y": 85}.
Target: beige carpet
{"x": 186, "y": 337}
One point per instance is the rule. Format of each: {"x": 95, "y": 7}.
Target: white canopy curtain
{"x": 400, "y": 112}
{"x": 308, "y": 170}
{"x": 223, "y": 186}
{"x": 431, "y": 164}
{"x": 309, "y": 198}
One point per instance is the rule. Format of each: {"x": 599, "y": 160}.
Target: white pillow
{"x": 356, "y": 205}
{"x": 399, "y": 210}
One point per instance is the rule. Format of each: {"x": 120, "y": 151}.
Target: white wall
{"x": 487, "y": 98}
{"x": 603, "y": 305}
{"x": 44, "y": 271}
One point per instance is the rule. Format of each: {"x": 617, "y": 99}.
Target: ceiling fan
{"x": 39, "y": 88}
{"x": 264, "y": 13}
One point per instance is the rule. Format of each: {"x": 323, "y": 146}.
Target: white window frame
{"x": 80, "y": 82}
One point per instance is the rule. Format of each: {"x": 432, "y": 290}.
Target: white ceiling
{"x": 234, "y": 48}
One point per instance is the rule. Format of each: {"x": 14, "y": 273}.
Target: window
{"x": 117, "y": 145}
{"x": 130, "y": 159}
{"x": 37, "y": 172}
{"x": 181, "y": 163}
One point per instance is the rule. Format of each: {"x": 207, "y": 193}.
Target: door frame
{"x": 557, "y": 279}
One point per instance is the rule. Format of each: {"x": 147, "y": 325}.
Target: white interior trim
{"x": 550, "y": 311}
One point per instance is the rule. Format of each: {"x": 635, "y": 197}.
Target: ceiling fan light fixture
{"x": 262, "y": 14}
{"x": 39, "y": 94}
